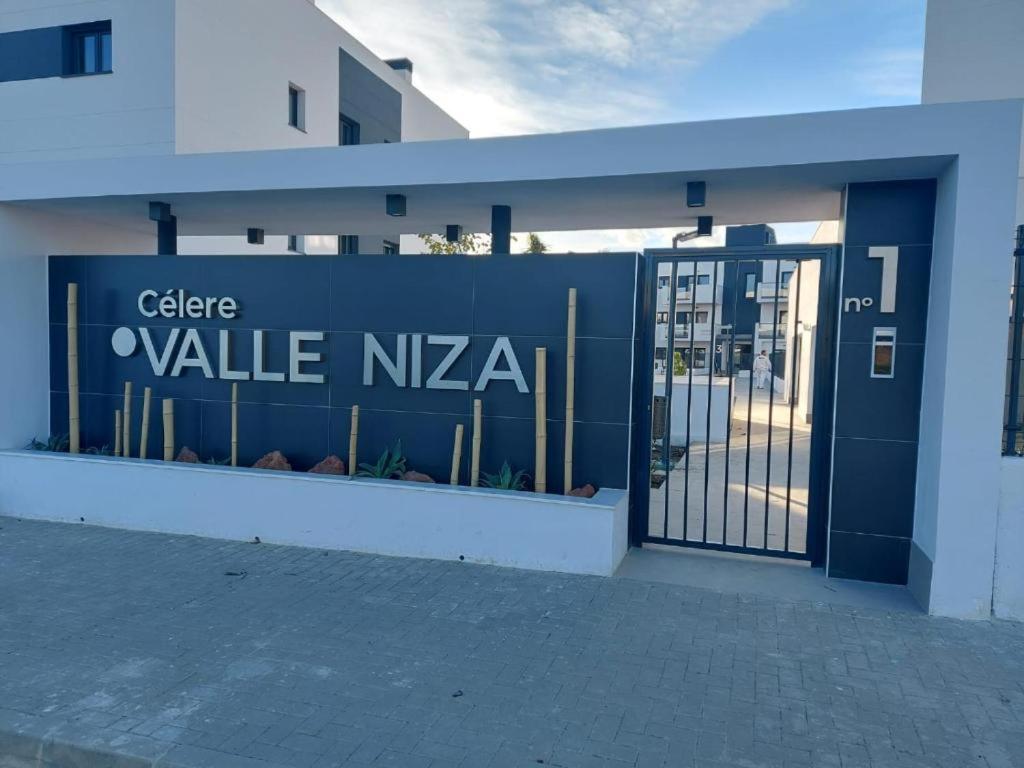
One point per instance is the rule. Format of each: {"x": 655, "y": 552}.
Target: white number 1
{"x": 890, "y": 256}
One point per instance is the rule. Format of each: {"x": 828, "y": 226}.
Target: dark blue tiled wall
{"x": 522, "y": 297}
{"x": 31, "y": 53}
{"x": 369, "y": 101}
{"x": 877, "y": 420}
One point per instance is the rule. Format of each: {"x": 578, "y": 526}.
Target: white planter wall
{"x": 522, "y": 530}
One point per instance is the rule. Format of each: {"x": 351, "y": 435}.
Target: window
{"x": 784, "y": 280}
{"x": 701, "y": 317}
{"x": 662, "y": 318}
{"x": 682, "y": 318}
{"x": 750, "y": 290}
{"x": 296, "y": 107}
{"x": 348, "y": 132}
{"x": 683, "y": 282}
{"x": 663, "y": 281}
{"x": 390, "y": 248}
{"x": 783, "y": 315}
{"x": 348, "y": 245}
{"x": 293, "y": 243}
{"x": 90, "y": 49}
{"x": 661, "y": 353}
{"x": 703, "y": 279}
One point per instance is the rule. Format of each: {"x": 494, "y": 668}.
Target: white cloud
{"x": 892, "y": 73}
{"x": 524, "y": 66}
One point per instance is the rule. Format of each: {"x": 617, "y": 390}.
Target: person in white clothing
{"x": 762, "y": 369}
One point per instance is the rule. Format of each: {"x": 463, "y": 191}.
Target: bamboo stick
{"x": 570, "y": 388}
{"x": 457, "y": 454}
{"x": 540, "y": 391}
{"x": 168, "y": 430}
{"x": 353, "y": 441}
{"x": 74, "y": 419}
{"x": 474, "y": 474}
{"x": 126, "y": 443}
{"x": 234, "y": 424}
{"x": 117, "y": 433}
{"x": 147, "y": 397}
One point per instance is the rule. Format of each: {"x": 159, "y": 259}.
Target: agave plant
{"x": 391, "y": 464}
{"x": 218, "y": 462}
{"x": 53, "y": 444}
{"x": 506, "y": 479}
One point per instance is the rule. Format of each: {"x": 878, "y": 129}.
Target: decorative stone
{"x": 586, "y": 492}
{"x": 332, "y": 465}
{"x": 273, "y": 460}
{"x": 187, "y": 456}
{"x": 417, "y": 477}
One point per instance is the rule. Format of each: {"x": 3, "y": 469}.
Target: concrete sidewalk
{"x": 178, "y": 651}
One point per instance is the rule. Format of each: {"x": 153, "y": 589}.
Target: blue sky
{"x": 521, "y": 66}
{"x": 506, "y": 67}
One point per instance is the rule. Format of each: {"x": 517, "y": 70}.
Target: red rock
{"x": 586, "y": 492}
{"x": 273, "y": 460}
{"x": 187, "y": 456}
{"x": 416, "y": 477}
{"x": 332, "y": 465}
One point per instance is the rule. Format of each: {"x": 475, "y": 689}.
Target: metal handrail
{"x": 1012, "y": 428}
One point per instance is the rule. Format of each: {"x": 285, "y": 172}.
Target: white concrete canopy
{"x": 788, "y": 168}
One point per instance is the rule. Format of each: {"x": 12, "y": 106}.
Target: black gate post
{"x": 1017, "y": 338}
{"x": 643, "y": 388}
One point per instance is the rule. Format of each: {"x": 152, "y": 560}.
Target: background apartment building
{"x": 195, "y": 76}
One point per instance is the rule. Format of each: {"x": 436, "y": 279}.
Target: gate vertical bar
{"x": 771, "y": 399}
{"x": 1013, "y": 412}
{"x": 689, "y": 404}
{"x": 711, "y": 372}
{"x": 792, "y": 348}
{"x": 666, "y": 436}
{"x": 728, "y": 413}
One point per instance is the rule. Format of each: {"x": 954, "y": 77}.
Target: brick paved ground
{"x": 186, "y": 651}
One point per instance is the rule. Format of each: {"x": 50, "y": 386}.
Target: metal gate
{"x": 735, "y": 383}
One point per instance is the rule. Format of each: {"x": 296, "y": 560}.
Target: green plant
{"x": 105, "y": 450}
{"x": 53, "y": 444}
{"x": 391, "y": 464}
{"x": 506, "y": 480}
{"x": 219, "y": 462}
{"x": 678, "y": 364}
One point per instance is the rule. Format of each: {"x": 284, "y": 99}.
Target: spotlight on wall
{"x": 396, "y": 205}
{"x": 254, "y": 236}
{"x": 696, "y": 194}
{"x": 704, "y": 225}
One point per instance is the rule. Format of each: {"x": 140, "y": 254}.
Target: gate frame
{"x": 822, "y": 419}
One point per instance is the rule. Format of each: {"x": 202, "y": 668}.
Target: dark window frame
{"x": 348, "y": 245}
{"x": 102, "y": 55}
{"x": 390, "y": 248}
{"x": 297, "y": 107}
{"x": 349, "y": 132}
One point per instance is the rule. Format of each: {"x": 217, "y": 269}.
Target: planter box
{"x": 522, "y": 530}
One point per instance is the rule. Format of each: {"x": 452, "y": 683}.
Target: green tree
{"x": 535, "y": 245}
{"x": 678, "y": 364}
{"x": 467, "y": 243}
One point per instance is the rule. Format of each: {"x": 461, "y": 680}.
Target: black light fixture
{"x": 396, "y": 205}
{"x": 159, "y": 211}
{"x": 696, "y": 194}
{"x": 705, "y": 225}
{"x": 255, "y": 236}
{"x": 453, "y": 233}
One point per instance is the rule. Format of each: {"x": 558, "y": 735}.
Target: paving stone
{"x": 136, "y": 649}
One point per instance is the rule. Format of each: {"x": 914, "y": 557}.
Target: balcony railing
{"x": 771, "y": 291}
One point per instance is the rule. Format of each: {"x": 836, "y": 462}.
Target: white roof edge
{"x": 933, "y": 130}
